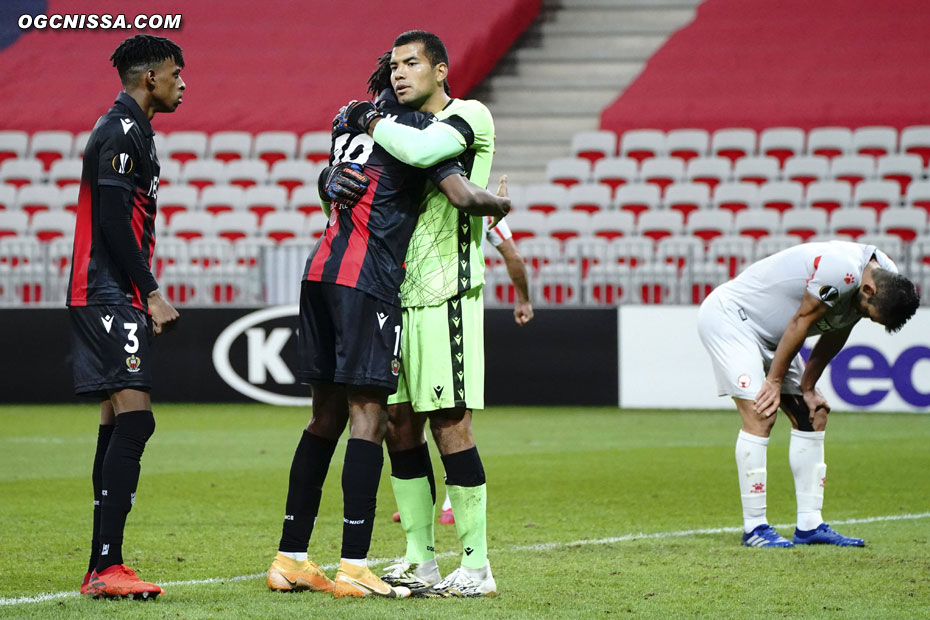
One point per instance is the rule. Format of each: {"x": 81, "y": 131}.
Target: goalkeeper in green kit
{"x": 442, "y": 346}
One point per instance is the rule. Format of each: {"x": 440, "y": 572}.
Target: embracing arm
{"x": 473, "y": 200}
{"x": 417, "y": 147}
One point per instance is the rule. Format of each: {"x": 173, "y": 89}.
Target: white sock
{"x": 362, "y": 562}
{"x": 447, "y": 505}
{"x": 295, "y": 555}
{"x": 477, "y": 574}
{"x": 805, "y": 454}
{"x": 750, "y": 466}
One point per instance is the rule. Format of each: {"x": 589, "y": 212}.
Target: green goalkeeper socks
{"x": 415, "y": 503}
{"x": 469, "y": 505}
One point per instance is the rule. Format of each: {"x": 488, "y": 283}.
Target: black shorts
{"x": 347, "y": 336}
{"x": 110, "y": 349}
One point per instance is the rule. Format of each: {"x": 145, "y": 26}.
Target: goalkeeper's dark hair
{"x": 140, "y": 53}
{"x": 433, "y": 48}
{"x": 381, "y": 77}
{"x": 895, "y": 298}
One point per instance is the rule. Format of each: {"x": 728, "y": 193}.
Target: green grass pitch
{"x": 588, "y": 517}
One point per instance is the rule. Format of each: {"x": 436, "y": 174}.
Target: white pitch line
{"x": 50, "y": 596}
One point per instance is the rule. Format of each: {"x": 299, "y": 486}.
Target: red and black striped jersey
{"x": 364, "y": 247}
{"x": 120, "y": 154}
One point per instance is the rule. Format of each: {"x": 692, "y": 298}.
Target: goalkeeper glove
{"x": 344, "y": 184}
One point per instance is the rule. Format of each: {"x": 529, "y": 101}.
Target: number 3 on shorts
{"x": 133, "y": 345}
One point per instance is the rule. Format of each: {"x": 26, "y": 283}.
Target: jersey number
{"x": 356, "y": 151}
{"x": 133, "y": 345}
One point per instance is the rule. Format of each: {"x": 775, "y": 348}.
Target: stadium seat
{"x": 281, "y": 225}
{"x": 524, "y": 224}
{"x": 50, "y": 146}
{"x": 806, "y": 169}
{"x": 876, "y": 195}
{"x": 829, "y": 142}
{"x": 274, "y": 146}
{"x": 316, "y": 225}
{"x": 614, "y": 172}
{"x": 686, "y": 144}
{"x": 773, "y": 244}
{"x": 681, "y": 251}
{"x": 568, "y": 171}
{"x": 50, "y": 225}
{"x": 264, "y": 199}
{"x": 829, "y": 195}
{"x": 184, "y": 146}
{"x": 39, "y": 197}
{"x": 68, "y": 197}
{"x": 218, "y": 199}
{"x": 892, "y": 245}
{"x": 65, "y": 171}
{"x": 306, "y": 200}
{"x": 733, "y": 143}
{"x": 13, "y": 145}
{"x": 633, "y": 251}
{"x": 701, "y": 279}
{"x": 557, "y": 284}
{"x": 594, "y": 145}
{"x": 658, "y": 224}
{"x": 853, "y": 168}
{"x": 203, "y": 173}
{"x": 903, "y": 169}
{"x": 918, "y": 195}
{"x": 853, "y": 222}
{"x": 235, "y": 225}
{"x": 662, "y": 171}
{"x": 291, "y": 174}
{"x": 612, "y": 224}
{"x": 586, "y": 251}
{"x": 641, "y": 144}
{"x": 545, "y": 197}
{"x": 736, "y": 197}
{"x": 637, "y": 199}
{"x": 756, "y": 223}
{"x": 707, "y": 225}
{"x": 564, "y": 225}
{"x": 875, "y": 141}
{"x": 7, "y": 198}
{"x": 655, "y": 283}
{"x": 920, "y": 250}
{"x": 20, "y": 172}
{"x": 804, "y": 223}
{"x": 915, "y": 140}
{"x": 169, "y": 173}
{"x": 907, "y": 223}
{"x": 709, "y": 170}
{"x": 229, "y": 146}
{"x": 609, "y": 284}
{"x": 13, "y": 223}
{"x": 756, "y": 170}
{"x": 176, "y": 199}
{"x": 781, "y": 196}
{"x": 687, "y": 198}
{"x": 781, "y": 143}
{"x": 80, "y": 143}
{"x": 246, "y": 173}
{"x": 190, "y": 225}
{"x": 733, "y": 252}
{"x": 588, "y": 198}
{"x": 314, "y": 146}
{"x": 538, "y": 251}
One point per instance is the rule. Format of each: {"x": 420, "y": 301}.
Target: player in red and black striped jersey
{"x": 349, "y": 342}
{"x": 112, "y": 291}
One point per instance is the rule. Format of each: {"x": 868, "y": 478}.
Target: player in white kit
{"x": 754, "y": 326}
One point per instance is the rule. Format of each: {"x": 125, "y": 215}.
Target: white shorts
{"x": 740, "y": 357}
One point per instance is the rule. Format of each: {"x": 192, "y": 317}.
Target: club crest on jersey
{"x": 395, "y": 366}
{"x": 849, "y": 279}
{"x": 133, "y": 364}
{"x": 122, "y": 163}
{"x": 744, "y": 381}
{"x": 828, "y": 293}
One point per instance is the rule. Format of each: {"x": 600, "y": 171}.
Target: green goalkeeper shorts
{"x": 442, "y": 355}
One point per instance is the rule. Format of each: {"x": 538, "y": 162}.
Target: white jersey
{"x": 768, "y": 294}
{"x": 499, "y": 233}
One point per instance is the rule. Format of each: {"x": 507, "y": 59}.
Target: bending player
{"x": 754, "y": 327}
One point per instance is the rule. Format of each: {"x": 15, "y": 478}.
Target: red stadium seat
{"x": 918, "y": 195}
{"x": 642, "y": 144}
{"x": 853, "y": 222}
{"x": 218, "y": 199}
{"x": 13, "y": 224}
{"x": 781, "y": 143}
{"x": 681, "y": 251}
{"x": 65, "y": 172}
{"x": 733, "y": 252}
{"x": 184, "y": 146}
{"x": 686, "y": 144}
{"x": 662, "y": 171}
{"x": 658, "y": 224}
{"x": 50, "y": 146}
{"x": 314, "y": 146}
{"x": 781, "y": 196}
{"x": 736, "y": 197}
{"x": 229, "y": 146}
{"x": 876, "y": 195}
{"x": 20, "y": 172}
{"x": 613, "y": 224}
{"x": 33, "y": 199}
{"x": 594, "y": 145}
{"x": 246, "y": 173}
{"x": 633, "y": 251}
{"x": 853, "y": 168}
{"x": 50, "y": 225}
{"x": 708, "y": 225}
{"x": 637, "y": 199}
{"x": 13, "y": 144}
{"x": 274, "y": 146}
{"x": 916, "y": 141}
{"x": 545, "y": 197}
{"x": 291, "y": 174}
{"x": 305, "y": 200}
{"x": 709, "y": 170}
{"x": 900, "y": 168}
{"x": 829, "y": 195}
{"x": 804, "y": 223}
{"x": 264, "y": 199}
{"x": 568, "y": 171}
{"x": 806, "y": 169}
{"x": 7, "y": 198}
{"x": 906, "y": 223}
{"x": 191, "y": 225}
{"x": 563, "y": 225}
{"x": 589, "y": 198}
{"x": 524, "y": 224}
{"x": 875, "y": 141}
{"x": 203, "y": 173}
{"x": 829, "y": 142}
{"x": 756, "y": 223}
{"x": 176, "y": 199}
{"x": 614, "y": 172}
{"x": 733, "y": 143}
{"x": 756, "y": 170}
{"x": 281, "y": 225}
{"x": 687, "y": 198}
{"x": 69, "y": 195}
{"x": 235, "y": 226}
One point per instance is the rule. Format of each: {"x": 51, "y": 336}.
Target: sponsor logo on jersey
{"x": 849, "y": 279}
{"x": 127, "y": 125}
{"x": 382, "y": 317}
{"x": 438, "y": 389}
{"x": 122, "y": 163}
{"x": 133, "y": 364}
{"x": 829, "y": 294}
{"x": 107, "y": 322}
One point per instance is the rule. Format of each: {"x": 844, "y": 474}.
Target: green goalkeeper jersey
{"x": 444, "y": 257}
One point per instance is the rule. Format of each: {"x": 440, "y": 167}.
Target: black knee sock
{"x": 120, "y": 476}
{"x": 414, "y": 463}
{"x": 360, "y": 477}
{"x": 305, "y": 488}
{"x": 464, "y": 469}
{"x": 103, "y": 440}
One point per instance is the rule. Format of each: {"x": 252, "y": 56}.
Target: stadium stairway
{"x": 573, "y": 61}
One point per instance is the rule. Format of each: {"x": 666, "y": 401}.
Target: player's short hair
{"x": 433, "y": 48}
{"x": 895, "y": 298}
{"x": 140, "y": 53}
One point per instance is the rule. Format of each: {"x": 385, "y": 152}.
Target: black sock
{"x": 414, "y": 463}
{"x": 361, "y": 474}
{"x": 305, "y": 488}
{"x": 464, "y": 468}
{"x": 120, "y": 476}
{"x": 103, "y": 440}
